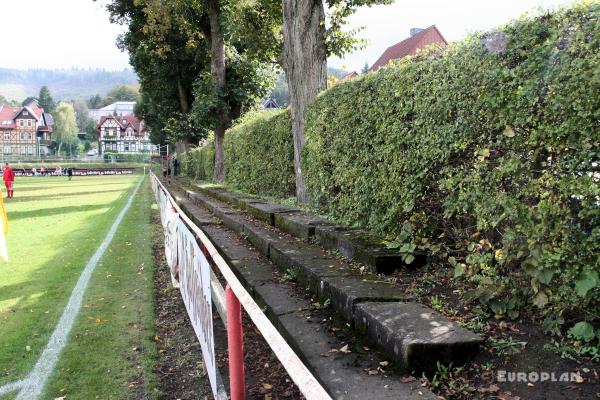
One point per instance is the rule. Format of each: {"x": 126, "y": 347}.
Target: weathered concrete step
{"x": 417, "y": 335}
{"x": 362, "y": 246}
{"x": 359, "y": 298}
{"x": 258, "y": 208}
{"x": 355, "y": 244}
{"x": 342, "y": 374}
{"x": 200, "y": 216}
{"x": 299, "y": 224}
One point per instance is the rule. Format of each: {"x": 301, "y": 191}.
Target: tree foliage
{"x": 186, "y": 91}
{"x": 65, "y": 125}
{"x": 45, "y": 100}
{"x": 485, "y": 156}
{"x": 122, "y": 93}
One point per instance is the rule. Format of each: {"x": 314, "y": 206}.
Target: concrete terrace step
{"x": 356, "y": 244}
{"x": 408, "y": 331}
{"x": 342, "y": 374}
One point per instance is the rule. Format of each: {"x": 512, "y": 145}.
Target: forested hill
{"x": 64, "y": 84}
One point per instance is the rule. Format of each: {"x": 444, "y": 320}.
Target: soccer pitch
{"x": 55, "y": 226}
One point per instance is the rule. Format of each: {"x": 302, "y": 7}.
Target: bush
{"x": 199, "y": 162}
{"x": 259, "y": 154}
{"x": 485, "y": 155}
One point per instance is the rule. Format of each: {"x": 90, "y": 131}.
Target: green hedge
{"x": 199, "y": 162}
{"x": 259, "y": 154}
{"x": 485, "y": 155}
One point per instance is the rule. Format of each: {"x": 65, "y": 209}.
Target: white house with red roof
{"x": 25, "y": 131}
{"x": 419, "y": 39}
{"x": 122, "y": 134}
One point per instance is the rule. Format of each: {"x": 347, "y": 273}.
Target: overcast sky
{"x": 77, "y": 33}
{"x": 59, "y": 34}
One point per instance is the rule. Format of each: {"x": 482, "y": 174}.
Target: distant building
{"x": 122, "y": 134}
{"x": 349, "y": 75}
{"x": 117, "y": 108}
{"x": 419, "y": 39}
{"x": 25, "y": 131}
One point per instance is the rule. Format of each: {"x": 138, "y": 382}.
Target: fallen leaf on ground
{"x": 384, "y": 363}
{"x": 266, "y": 386}
{"x": 345, "y": 349}
{"x": 489, "y": 389}
{"x": 407, "y": 379}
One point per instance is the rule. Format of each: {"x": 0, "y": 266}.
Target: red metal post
{"x": 235, "y": 343}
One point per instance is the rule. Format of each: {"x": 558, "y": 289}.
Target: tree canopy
{"x": 45, "y": 100}
{"x": 65, "y": 124}
{"x": 201, "y": 63}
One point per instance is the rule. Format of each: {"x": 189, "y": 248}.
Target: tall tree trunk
{"x": 183, "y": 101}
{"x": 304, "y": 60}
{"x": 217, "y": 70}
{"x": 182, "y": 146}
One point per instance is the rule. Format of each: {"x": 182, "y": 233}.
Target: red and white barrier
{"x": 236, "y": 297}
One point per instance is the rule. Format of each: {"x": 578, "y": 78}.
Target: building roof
{"x": 410, "y": 46}
{"x": 117, "y": 108}
{"x": 8, "y": 114}
{"x": 269, "y": 104}
{"x": 124, "y": 121}
{"x": 349, "y": 75}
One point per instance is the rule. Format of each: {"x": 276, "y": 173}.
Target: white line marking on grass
{"x": 34, "y": 384}
{"x": 11, "y": 387}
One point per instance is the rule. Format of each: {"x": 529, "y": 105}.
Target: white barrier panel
{"x": 194, "y": 281}
{"x": 170, "y": 225}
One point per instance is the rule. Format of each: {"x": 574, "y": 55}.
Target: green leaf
{"x": 392, "y": 245}
{"x": 582, "y": 330}
{"x": 409, "y": 259}
{"x": 540, "y": 299}
{"x": 459, "y": 270}
{"x": 586, "y": 281}
{"x": 508, "y": 131}
{"x": 498, "y": 307}
{"x": 544, "y": 276}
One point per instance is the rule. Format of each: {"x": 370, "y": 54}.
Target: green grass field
{"x": 55, "y": 227}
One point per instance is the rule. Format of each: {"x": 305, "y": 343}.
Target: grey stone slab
{"x": 260, "y": 237}
{"x": 199, "y": 216}
{"x": 278, "y": 299}
{"x": 362, "y": 246}
{"x": 218, "y": 208}
{"x": 247, "y": 264}
{"x": 229, "y": 247}
{"x": 252, "y": 272}
{"x": 310, "y": 264}
{"x": 235, "y": 222}
{"x": 346, "y": 291}
{"x": 299, "y": 224}
{"x": 416, "y": 335}
{"x": 342, "y": 374}
{"x": 266, "y": 211}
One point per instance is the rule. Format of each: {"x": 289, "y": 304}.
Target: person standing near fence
{"x": 175, "y": 166}
{"x": 9, "y": 179}
{"x": 70, "y": 173}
